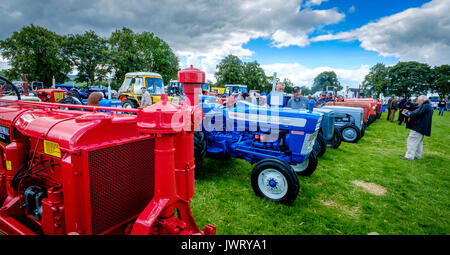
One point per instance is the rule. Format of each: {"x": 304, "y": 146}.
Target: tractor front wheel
{"x": 350, "y": 134}
{"x": 275, "y": 180}
{"x": 128, "y": 103}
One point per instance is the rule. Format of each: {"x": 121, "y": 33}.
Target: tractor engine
{"x": 91, "y": 172}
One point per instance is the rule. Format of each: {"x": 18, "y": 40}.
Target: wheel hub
{"x": 272, "y": 183}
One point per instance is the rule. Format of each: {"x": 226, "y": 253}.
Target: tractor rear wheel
{"x": 199, "y": 149}
{"x": 337, "y": 139}
{"x": 320, "y": 145}
{"x": 350, "y": 134}
{"x": 76, "y": 94}
{"x": 128, "y": 103}
{"x": 308, "y": 166}
{"x": 275, "y": 180}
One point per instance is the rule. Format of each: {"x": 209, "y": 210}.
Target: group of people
{"x": 418, "y": 118}
{"x": 395, "y": 104}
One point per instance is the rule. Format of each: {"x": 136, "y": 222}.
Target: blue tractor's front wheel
{"x": 275, "y": 180}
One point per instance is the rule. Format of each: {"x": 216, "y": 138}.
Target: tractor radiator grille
{"x": 121, "y": 180}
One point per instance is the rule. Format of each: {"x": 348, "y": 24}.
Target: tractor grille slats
{"x": 121, "y": 180}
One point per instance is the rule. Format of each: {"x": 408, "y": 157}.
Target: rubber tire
{"x": 337, "y": 139}
{"x": 358, "y": 134}
{"x": 286, "y": 170}
{"x": 76, "y": 94}
{"x": 69, "y": 100}
{"x": 129, "y": 102}
{"x": 199, "y": 149}
{"x": 363, "y": 130}
{"x": 320, "y": 146}
{"x": 312, "y": 165}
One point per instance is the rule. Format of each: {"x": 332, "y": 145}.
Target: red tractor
{"x": 375, "y": 106}
{"x": 90, "y": 172}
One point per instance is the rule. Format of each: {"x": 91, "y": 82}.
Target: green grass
{"x": 417, "y": 200}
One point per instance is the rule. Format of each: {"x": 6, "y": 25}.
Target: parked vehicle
{"x": 130, "y": 92}
{"x": 279, "y": 142}
{"x": 349, "y": 121}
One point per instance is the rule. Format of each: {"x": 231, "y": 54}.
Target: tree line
{"x": 407, "y": 79}
{"x": 232, "y": 70}
{"x": 43, "y": 54}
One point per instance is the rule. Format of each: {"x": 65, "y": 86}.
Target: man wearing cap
{"x": 297, "y": 101}
{"x": 146, "y": 98}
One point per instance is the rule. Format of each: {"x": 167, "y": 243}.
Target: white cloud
{"x": 314, "y": 2}
{"x": 303, "y": 76}
{"x": 282, "y": 38}
{"x": 352, "y": 9}
{"x": 416, "y": 34}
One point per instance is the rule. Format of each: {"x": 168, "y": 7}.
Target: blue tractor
{"x": 278, "y": 141}
{"x": 82, "y": 93}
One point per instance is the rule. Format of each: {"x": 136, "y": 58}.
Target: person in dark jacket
{"x": 420, "y": 125}
{"x": 401, "y": 106}
{"x": 410, "y": 106}
{"x": 389, "y": 107}
{"x": 441, "y": 106}
{"x": 394, "y": 108}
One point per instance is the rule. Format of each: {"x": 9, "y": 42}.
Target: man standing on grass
{"x": 146, "y": 97}
{"x": 389, "y": 107}
{"x": 394, "y": 107}
{"x": 420, "y": 125}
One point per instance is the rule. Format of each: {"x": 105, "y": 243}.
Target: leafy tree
{"x": 36, "y": 51}
{"x": 324, "y": 79}
{"x": 441, "y": 80}
{"x": 254, "y": 76}
{"x": 132, "y": 52}
{"x": 157, "y": 55}
{"x": 89, "y": 54}
{"x": 376, "y": 81}
{"x": 230, "y": 71}
{"x": 289, "y": 85}
{"x": 305, "y": 91}
{"x": 409, "y": 78}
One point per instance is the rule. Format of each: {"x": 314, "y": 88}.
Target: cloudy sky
{"x": 297, "y": 39}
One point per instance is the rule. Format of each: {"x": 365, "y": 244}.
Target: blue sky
{"x": 298, "y": 39}
{"x": 337, "y": 54}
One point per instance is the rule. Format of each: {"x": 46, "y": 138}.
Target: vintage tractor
{"x": 278, "y": 141}
{"x": 88, "y": 172}
{"x": 329, "y": 134}
{"x": 375, "y": 107}
{"x": 349, "y": 122}
{"x": 130, "y": 91}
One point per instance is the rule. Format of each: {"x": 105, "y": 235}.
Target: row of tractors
{"x": 77, "y": 169}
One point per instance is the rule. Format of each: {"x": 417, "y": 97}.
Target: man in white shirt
{"x": 146, "y": 98}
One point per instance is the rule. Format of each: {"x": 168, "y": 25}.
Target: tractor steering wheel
{"x": 12, "y": 85}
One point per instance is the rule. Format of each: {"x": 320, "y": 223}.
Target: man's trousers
{"x": 414, "y": 145}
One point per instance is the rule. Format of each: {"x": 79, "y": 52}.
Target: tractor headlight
{"x": 308, "y": 143}
{"x": 318, "y": 122}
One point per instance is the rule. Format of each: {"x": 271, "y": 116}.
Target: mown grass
{"x": 417, "y": 200}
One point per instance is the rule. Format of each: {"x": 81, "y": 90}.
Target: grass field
{"x": 403, "y": 197}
